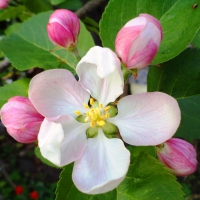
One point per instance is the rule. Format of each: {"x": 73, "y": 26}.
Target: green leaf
{"x": 17, "y": 88}
{"x": 32, "y": 43}
{"x": 149, "y": 179}
{"x": 180, "y": 78}
{"x": 179, "y": 20}
{"x": 37, "y": 6}
{"x": 12, "y": 28}
{"x": 44, "y": 160}
{"x": 11, "y": 12}
{"x": 146, "y": 179}
{"x": 56, "y": 2}
{"x": 71, "y": 4}
{"x": 196, "y": 40}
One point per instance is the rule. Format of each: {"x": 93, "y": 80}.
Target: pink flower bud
{"x": 4, "y": 4}
{"x": 63, "y": 28}
{"x": 138, "y": 41}
{"x": 21, "y": 119}
{"x": 179, "y": 156}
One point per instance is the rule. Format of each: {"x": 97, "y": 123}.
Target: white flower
{"x": 100, "y": 163}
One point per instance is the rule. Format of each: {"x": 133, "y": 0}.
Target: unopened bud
{"x": 63, "y": 28}
{"x": 4, "y": 4}
{"x": 138, "y": 41}
{"x": 21, "y": 119}
{"x": 179, "y": 156}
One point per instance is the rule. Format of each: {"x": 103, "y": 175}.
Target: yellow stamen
{"x": 86, "y": 119}
{"x": 100, "y": 105}
{"x": 77, "y": 112}
{"x": 101, "y": 123}
{"x": 92, "y": 124}
{"x": 91, "y": 101}
{"x": 85, "y": 105}
{"x": 107, "y": 108}
{"x": 107, "y": 115}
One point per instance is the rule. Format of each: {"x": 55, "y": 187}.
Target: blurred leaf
{"x": 71, "y": 4}
{"x": 179, "y": 20}
{"x": 146, "y": 179}
{"x": 180, "y": 78}
{"x": 31, "y": 42}
{"x": 12, "y": 28}
{"x": 11, "y": 12}
{"x": 44, "y": 160}
{"x": 56, "y": 2}
{"x": 17, "y": 88}
{"x": 37, "y": 6}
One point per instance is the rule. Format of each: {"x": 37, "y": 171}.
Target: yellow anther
{"x": 85, "y": 105}
{"x": 101, "y": 123}
{"x": 107, "y": 108}
{"x": 92, "y": 124}
{"x": 100, "y": 105}
{"x": 86, "y": 119}
{"x": 77, "y": 112}
{"x": 107, "y": 115}
{"x": 91, "y": 101}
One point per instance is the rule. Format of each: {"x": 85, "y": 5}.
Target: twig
{"x": 3, "y": 171}
{"x": 82, "y": 12}
{"x": 4, "y": 64}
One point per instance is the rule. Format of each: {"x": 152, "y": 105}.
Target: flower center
{"x": 96, "y": 114}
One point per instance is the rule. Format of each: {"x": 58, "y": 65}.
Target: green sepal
{"x": 109, "y": 130}
{"x": 81, "y": 118}
{"x": 112, "y": 111}
{"x": 92, "y": 132}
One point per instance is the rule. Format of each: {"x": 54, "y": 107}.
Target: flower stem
{"x": 76, "y": 54}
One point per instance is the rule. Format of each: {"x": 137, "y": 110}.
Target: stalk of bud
{"x": 63, "y": 28}
{"x": 179, "y": 156}
{"x": 21, "y": 119}
{"x": 138, "y": 41}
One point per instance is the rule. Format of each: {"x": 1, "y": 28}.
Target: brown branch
{"x": 4, "y": 173}
{"x": 88, "y": 7}
{"x": 4, "y": 64}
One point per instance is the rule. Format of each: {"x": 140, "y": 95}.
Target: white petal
{"x": 64, "y": 142}
{"x": 49, "y": 140}
{"x": 56, "y": 92}
{"x": 100, "y": 74}
{"x": 147, "y": 118}
{"x": 103, "y": 165}
{"x": 75, "y": 140}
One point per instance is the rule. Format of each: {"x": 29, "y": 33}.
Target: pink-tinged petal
{"x": 100, "y": 74}
{"x": 59, "y": 35}
{"x": 64, "y": 142}
{"x": 63, "y": 28}
{"x": 147, "y": 118}
{"x": 56, "y": 92}
{"x": 153, "y": 20}
{"x": 122, "y": 44}
{"x": 21, "y": 119}
{"x": 179, "y": 156}
{"x": 103, "y": 165}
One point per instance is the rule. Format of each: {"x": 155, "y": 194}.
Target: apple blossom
{"x": 63, "y": 28}
{"x": 138, "y": 41}
{"x": 4, "y": 4}
{"x": 179, "y": 156}
{"x": 77, "y": 128}
{"x": 21, "y": 119}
